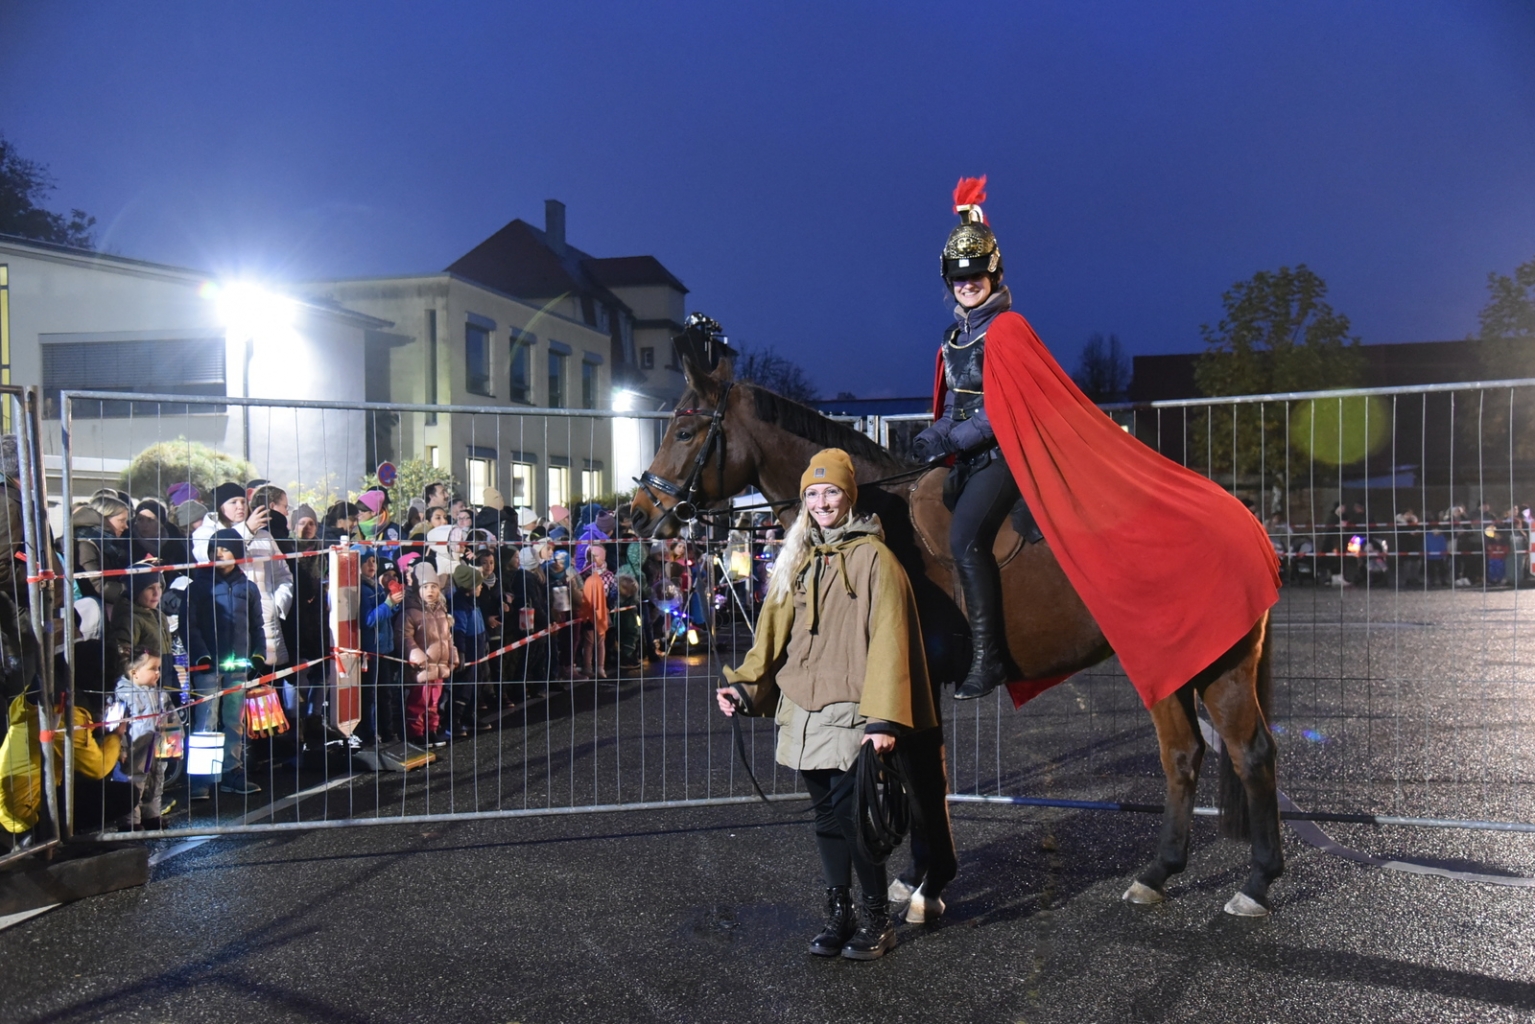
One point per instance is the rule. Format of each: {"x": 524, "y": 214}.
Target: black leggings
{"x": 836, "y": 836}
{"x": 989, "y": 494}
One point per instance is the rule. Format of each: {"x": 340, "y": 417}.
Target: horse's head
{"x": 695, "y": 467}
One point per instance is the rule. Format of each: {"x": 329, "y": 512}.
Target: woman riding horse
{"x": 1124, "y": 522}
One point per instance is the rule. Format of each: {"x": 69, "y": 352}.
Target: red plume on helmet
{"x": 970, "y": 193}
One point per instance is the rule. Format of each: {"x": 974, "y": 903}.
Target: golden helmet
{"x": 972, "y": 248}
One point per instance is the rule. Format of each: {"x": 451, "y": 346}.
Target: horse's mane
{"x": 803, "y": 421}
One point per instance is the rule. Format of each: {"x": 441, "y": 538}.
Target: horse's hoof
{"x": 1142, "y": 894}
{"x": 924, "y": 909}
{"x": 1243, "y": 905}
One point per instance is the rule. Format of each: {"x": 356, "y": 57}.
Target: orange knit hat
{"x": 831, "y": 466}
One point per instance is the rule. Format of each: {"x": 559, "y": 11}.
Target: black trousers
{"x": 836, "y": 836}
{"x": 986, "y": 496}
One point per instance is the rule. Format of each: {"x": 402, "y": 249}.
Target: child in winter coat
{"x": 227, "y": 640}
{"x": 429, "y": 649}
{"x": 470, "y": 637}
{"x": 147, "y": 707}
{"x": 594, "y": 607}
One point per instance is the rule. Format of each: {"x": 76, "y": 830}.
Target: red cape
{"x": 1174, "y": 568}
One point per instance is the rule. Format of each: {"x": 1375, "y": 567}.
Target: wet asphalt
{"x": 1389, "y": 703}
{"x": 703, "y": 915}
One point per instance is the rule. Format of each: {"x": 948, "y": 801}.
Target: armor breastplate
{"x": 962, "y": 372}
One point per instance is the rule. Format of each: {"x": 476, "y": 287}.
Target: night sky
{"x": 792, "y": 163}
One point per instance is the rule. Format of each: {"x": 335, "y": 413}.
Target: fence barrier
{"x": 1402, "y": 693}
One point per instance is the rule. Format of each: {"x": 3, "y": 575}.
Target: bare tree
{"x": 766, "y": 368}
{"x": 1104, "y": 371}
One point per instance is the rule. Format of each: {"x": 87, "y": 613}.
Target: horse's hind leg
{"x": 1183, "y": 749}
{"x": 1249, "y": 794}
{"x": 934, "y": 863}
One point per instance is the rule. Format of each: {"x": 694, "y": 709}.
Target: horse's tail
{"x": 1235, "y": 821}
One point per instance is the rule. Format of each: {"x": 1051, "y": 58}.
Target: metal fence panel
{"x": 1401, "y": 688}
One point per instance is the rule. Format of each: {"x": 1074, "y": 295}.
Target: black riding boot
{"x": 876, "y": 935}
{"x": 841, "y": 922}
{"x": 981, "y": 581}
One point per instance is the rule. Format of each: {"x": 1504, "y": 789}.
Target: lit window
{"x": 522, "y": 484}
{"x": 591, "y": 484}
{"x": 482, "y": 474}
{"x": 559, "y": 485}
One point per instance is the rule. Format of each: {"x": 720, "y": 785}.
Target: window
{"x": 559, "y": 485}
{"x": 431, "y": 365}
{"x": 192, "y": 366}
{"x": 521, "y": 367}
{"x": 647, "y": 358}
{"x": 477, "y": 358}
{"x": 588, "y": 384}
{"x": 431, "y": 456}
{"x": 482, "y": 474}
{"x": 591, "y": 484}
{"x": 557, "y": 380}
{"x": 522, "y": 484}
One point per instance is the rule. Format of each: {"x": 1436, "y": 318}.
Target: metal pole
{"x": 38, "y": 560}
{"x": 67, "y": 422}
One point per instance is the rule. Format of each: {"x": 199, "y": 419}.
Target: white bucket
{"x": 205, "y": 753}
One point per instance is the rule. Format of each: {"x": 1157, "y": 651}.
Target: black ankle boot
{"x": 876, "y": 933}
{"x": 981, "y": 582}
{"x": 841, "y": 922}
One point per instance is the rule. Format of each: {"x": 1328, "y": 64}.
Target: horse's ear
{"x": 695, "y": 366}
{"x": 707, "y": 361}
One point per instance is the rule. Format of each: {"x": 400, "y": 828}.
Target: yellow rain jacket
{"x": 21, "y": 762}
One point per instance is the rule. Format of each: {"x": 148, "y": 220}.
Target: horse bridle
{"x": 685, "y": 494}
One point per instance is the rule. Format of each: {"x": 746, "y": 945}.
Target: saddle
{"x": 930, "y": 516}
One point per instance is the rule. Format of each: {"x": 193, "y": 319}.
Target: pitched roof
{"x": 519, "y": 260}
{"x": 628, "y": 271}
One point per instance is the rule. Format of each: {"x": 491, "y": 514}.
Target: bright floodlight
{"x": 623, "y": 400}
{"x": 248, "y": 310}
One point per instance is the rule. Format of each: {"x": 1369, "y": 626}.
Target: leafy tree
{"x": 766, "y": 368}
{"x": 1103, "y": 373}
{"x": 24, "y": 184}
{"x": 1507, "y": 330}
{"x": 160, "y": 466}
{"x": 1279, "y": 334}
{"x": 1510, "y": 311}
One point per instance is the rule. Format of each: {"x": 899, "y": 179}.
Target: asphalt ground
{"x": 704, "y": 914}
{"x": 1406, "y": 703}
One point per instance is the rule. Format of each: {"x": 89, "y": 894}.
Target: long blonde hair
{"x": 796, "y": 546}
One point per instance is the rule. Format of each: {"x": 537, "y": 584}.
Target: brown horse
{"x": 728, "y": 435}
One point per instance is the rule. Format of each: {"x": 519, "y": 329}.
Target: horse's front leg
{"x": 1182, "y": 751}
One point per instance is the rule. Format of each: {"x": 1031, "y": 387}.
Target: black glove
{"x": 930, "y": 446}
{"x": 257, "y": 670}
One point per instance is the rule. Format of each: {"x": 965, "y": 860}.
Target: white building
{"x": 80, "y": 320}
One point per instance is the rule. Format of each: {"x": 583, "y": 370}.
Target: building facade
{"x": 81, "y": 320}
{"x": 456, "y": 342}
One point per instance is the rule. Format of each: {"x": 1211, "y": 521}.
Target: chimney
{"x": 554, "y": 224}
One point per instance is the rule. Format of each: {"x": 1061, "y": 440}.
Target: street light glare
{"x": 250, "y": 311}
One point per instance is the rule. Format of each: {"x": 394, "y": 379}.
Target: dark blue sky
{"x": 792, "y": 163}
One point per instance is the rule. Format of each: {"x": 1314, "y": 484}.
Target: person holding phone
{"x": 382, "y": 683}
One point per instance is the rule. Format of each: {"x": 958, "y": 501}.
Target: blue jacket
{"x": 223, "y": 618}
{"x": 468, "y": 626}
{"x": 378, "y": 618}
